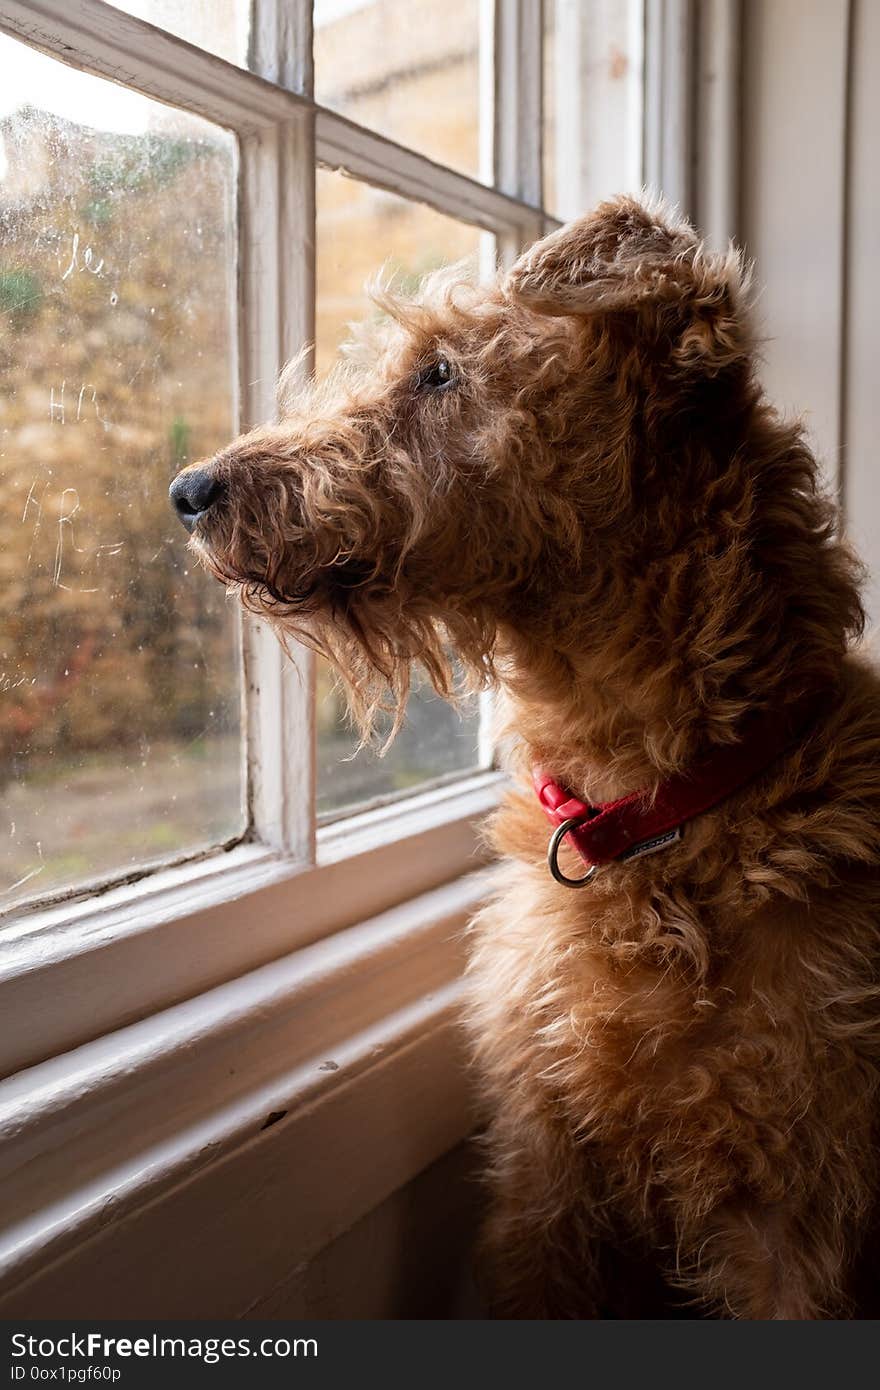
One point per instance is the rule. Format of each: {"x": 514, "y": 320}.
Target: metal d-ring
{"x": 556, "y": 839}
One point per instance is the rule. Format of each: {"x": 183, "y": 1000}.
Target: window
{"x": 121, "y": 706}
{"x": 394, "y": 65}
{"x": 220, "y": 26}
{"x": 181, "y": 209}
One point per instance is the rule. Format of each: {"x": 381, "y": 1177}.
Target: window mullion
{"x": 518, "y": 99}
{"x": 374, "y": 159}
{"x": 517, "y": 111}
{"x": 716, "y": 128}
{"x": 670, "y": 27}
{"x": 281, "y": 44}
{"x": 277, "y": 296}
{"x": 105, "y": 40}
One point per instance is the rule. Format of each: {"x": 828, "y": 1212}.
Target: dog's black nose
{"x": 192, "y": 493}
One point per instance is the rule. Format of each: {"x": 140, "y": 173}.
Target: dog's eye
{"x": 436, "y": 376}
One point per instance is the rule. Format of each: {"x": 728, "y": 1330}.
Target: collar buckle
{"x": 556, "y": 839}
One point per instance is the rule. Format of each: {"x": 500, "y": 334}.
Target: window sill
{"x": 107, "y": 961}
{"x": 261, "y": 1066}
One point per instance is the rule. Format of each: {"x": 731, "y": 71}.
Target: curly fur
{"x": 604, "y": 517}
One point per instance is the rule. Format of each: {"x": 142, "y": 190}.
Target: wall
{"x": 410, "y": 1257}
{"x": 810, "y": 191}
{"x": 861, "y": 399}
{"x": 187, "y": 1256}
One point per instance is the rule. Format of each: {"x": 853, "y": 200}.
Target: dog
{"x": 572, "y": 480}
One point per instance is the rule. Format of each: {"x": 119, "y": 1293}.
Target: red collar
{"x": 642, "y": 823}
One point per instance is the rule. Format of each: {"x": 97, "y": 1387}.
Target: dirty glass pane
{"x": 360, "y": 229}
{"x": 408, "y": 69}
{"x": 119, "y": 682}
{"x": 221, "y": 26}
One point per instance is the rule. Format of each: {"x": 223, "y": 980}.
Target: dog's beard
{"x": 250, "y": 565}
{"x": 362, "y": 615}
{"x": 349, "y": 615}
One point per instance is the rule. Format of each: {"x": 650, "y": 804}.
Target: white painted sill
{"x": 77, "y": 970}
{"x": 88, "y": 1138}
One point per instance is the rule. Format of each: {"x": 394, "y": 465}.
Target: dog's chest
{"x": 672, "y": 1081}
{"x": 619, "y": 1038}
{"x": 578, "y": 994}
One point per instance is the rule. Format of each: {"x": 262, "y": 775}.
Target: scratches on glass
{"x": 119, "y": 677}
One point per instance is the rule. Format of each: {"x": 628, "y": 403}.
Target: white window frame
{"x": 293, "y": 881}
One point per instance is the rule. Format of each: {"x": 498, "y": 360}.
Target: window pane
{"x": 119, "y": 682}
{"x": 361, "y": 229}
{"x": 406, "y": 68}
{"x": 592, "y": 102}
{"x": 220, "y": 26}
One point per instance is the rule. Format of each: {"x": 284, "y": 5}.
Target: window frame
{"x": 104, "y": 950}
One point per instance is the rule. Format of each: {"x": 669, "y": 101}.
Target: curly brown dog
{"x": 572, "y": 478}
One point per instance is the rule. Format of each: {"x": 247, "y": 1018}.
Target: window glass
{"x": 360, "y": 229}
{"x": 119, "y": 677}
{"x": 220, "y": 26}
{"x": 408, "y": 69}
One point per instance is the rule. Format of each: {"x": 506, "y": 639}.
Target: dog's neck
{"x": 724, "y": 595}
{"x": 610, "y": 723}
{"x": 658, "y": 648}
{"x": 591, "y": 741}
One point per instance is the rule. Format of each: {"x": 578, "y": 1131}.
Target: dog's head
{"x": 493, "y": 460}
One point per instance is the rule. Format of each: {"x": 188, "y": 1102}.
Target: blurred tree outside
{"x": 116, "y": 368}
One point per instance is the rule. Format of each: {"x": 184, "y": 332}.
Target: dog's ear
{"x": 628, "y": 258}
